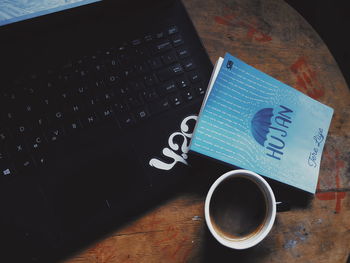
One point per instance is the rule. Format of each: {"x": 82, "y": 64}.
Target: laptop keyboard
{"x": 121, "y": 86}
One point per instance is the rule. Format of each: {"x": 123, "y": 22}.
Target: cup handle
{"x": 282, "y": 206}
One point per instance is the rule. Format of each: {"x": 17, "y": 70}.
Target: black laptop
{"x": 98, "y": 104}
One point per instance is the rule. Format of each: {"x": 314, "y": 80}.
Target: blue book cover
{"x": 253, "y": 121}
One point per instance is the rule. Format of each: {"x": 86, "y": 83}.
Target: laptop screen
{"x": 16, "y": 10}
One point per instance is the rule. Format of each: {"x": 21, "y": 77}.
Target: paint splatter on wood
{"x": 306, "y": 78}
{"x": 252, "y": 32}
{"x": 333, "y": 195}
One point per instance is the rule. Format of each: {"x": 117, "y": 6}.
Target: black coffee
{"x": 237, "y": 208}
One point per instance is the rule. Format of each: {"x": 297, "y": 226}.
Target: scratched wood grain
{"x": 271, "y": 36}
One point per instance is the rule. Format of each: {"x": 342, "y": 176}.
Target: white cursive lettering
{"x": 186, "y": 135}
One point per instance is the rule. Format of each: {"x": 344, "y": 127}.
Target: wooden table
{"x": 271, "y": 36}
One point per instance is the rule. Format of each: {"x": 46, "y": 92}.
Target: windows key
{"x": 6, "y": 172}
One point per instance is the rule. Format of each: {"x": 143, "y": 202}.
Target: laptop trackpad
{"x": 82, "y": 185}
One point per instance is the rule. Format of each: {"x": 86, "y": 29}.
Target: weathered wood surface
{"x": 271, "y": 36}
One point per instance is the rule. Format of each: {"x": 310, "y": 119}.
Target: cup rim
{"x": 269, "y": 220}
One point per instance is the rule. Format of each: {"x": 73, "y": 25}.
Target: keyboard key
{"x": 182, "y": 83}
{"x": 4, "y": 136}
{"x": 140, "y": 53}
{"x": 56, "y": 116}
{"x": 159, "y": 106}
{"x": 183, "y": 53}
{"x": 177, "y": 40}
{"x": 136, "y": 85}
{"x": 10, "y": 97}
{"x": 90, "y": 119}
{"x": 40, "y": 159}
{"x": 141, "y": 68}
{"x": 30, "y": 92}
{"x": 21, "y": 130}
{"x": 47, "y": 102}
{"x": 40, "y": 123}
{"x": 126, "y": 120}
{"x": 199, "y": 90}
{"x": 159, "y": 35}
{"x": 106, "y": 113}
{"x": 97, "y": 68}
{"x": 194, "y": 77}
{"x": 17, "y": 147}
{"x": 64, "y": 80}
{"x": 155, "y": 63}
{"x": 168, "y": 87}
{"x": 136, "y": 42}
{"x": 54, "y": 134}
{"x": 148, "y": 38}
{"x": 141, "y": 114}
{"x": 9, "y": 117}
{"x": 82, "y": 90}
{"x": 122, "y": 47}
{"x": 64, "y": 96}
{"x": 160, "y": 47}
{"x": 81, "y": 74}
{"x": 92, "y": 102}
{"x": 107, "y": 52}
{"x": 4, "y": 156}
{"x": 106, "y": 97}
{"x": 123, "y": 91}
{"x": 51, "y": 84}
{"x": 124, "y": 59}
{"x": 111, "y": 64}
{"x": 120, "y": 107}
{"x": 189, "y": 65}
{"x": 176, "y": 69}
{"x": 172, "y": 30}
{"x": 72, "y": 126}
{"x": 28, "y": 109}
{"x": 97, "y": 85}
{"x": 112, "y": 80}
{"x": 6, "y": 170}
{"x": 170, "y": 72}
{"x": 36, "y": 143}
{"x": 133, "y": 102}
{"x": 175, "y": 100}
{"x": 24, "y": 165}
{"x": 149, "y": 95}
{"x": 74, "y": 107}
{"x": 188, "y": 95}
{"x": 169, "y": 58}
{"x": 128, "y": 73}
{"x": 150, "y": 80}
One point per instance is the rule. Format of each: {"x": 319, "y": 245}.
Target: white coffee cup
{"x": 240, "y": 209}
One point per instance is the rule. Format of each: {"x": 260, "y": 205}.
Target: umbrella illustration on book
{"x": 260, "y": 125}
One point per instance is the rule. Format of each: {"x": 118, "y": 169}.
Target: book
{"x": 251, "y": 120}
